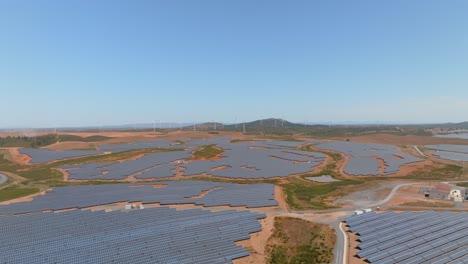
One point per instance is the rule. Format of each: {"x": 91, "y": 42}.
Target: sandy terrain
{"x": 256, "y": 244}
{"x": 367, "y": 194}
{"x": 280, "y": 198}
{"x": 18, "y": 157}
{"x": 71, "y": 145}
{"x": 352, "y": 251}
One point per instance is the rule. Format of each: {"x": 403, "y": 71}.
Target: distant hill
{"x": 462, "y": 125}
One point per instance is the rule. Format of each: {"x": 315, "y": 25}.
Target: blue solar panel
{"x": 154, "y": 235}
{"x": 410, "y": 237}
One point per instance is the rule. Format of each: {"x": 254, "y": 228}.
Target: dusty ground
{"x": 409, "y": 196}
{"x": 368, "y": 194}
{"x": 256, "y": 244}
{"x": 17, "y": 157}
{"x": 352, "y": 251}
{"x": 280, "y": 198}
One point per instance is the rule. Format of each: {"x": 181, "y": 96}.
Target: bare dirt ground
{"x": 17, "y": 157}
{"x": 368, "y": 194}
{"x": 24, "y": 199}
{"x": 382, "y": 164}
{"x": 256, "y": 244}
{"x": 280, "y": 198}
{"x": 409, "y": 196}
{"x": 352, "y": 251}
{"x": 403, "y": 140}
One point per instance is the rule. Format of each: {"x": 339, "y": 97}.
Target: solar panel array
{"x": 153, "y": 165}
{"x": 457, "y": 135}
{"x": 175, "y": 192}
{"x": 263, "y": 159}
{"x": 450, "y": 152}
{"x": 155, "y": 235}
{"x": 46, "y": 155}
{"x": 364, "y": 157}
{"x": 409, "y": 237}
{"x": 255, "y": 160}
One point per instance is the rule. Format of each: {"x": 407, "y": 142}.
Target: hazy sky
{"x": 87, "y": 62}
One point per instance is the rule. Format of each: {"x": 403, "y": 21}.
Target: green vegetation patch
{"x": 462, "y": 184}
{"x": 28, "y": 142}
{"x": 15, "y": 192}
{"x": 297, "y": 241}
{"x": 207, "y": 152}
{"x": 41, "y": 174}
{"x": 303, "y": 194}
{"x": 446, "y": 172}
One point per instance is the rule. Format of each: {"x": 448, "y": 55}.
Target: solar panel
{"x": 411, "y": 237}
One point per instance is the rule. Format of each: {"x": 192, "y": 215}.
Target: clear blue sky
{"x": 87, "y": 62}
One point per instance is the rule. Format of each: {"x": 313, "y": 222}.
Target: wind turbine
{"x": 244, "y": 127}
{"x": 154, "y": 126}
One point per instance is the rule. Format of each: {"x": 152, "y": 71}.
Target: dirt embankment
{"x": 15, "y": 156}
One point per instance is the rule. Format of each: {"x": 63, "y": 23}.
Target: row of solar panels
{"x": 155, "y": 235}
{"x": 45, "y": 155}
{"x": 450, "y": 152}
{"x": 240, "y": 160}
{"x": 409, "y": 237}
{"x": 363, "y": 157}
{"x": 175, "y": 192}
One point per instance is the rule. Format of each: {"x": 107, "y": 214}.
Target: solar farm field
{"x": 408, "y": 237}
{"x": 154, "y": 235}
{"x": 450, "y": 152}
{"x": 166, "y": 193}
{"x": 363, "y": 158}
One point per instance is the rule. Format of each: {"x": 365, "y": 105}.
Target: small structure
{"x": 440, "y": 192}
{"x": 456, "y": 195}
{"x": 141, "y": 206}
{"x": 358, "y": 212}
{"x": 128, "y": 206}
{"x": 368, "y": 210}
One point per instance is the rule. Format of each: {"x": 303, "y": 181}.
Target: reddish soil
{"x": 352, "y": 251}
{"x": 381, "y": 164}
{"x": 280, "y": 198}
{"x": 18, "y": 157}
{"x": 257, "y": 242}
